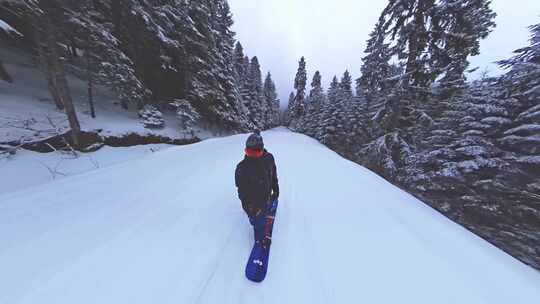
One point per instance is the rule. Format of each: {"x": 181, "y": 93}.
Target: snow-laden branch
{"x": 8, "y": 29}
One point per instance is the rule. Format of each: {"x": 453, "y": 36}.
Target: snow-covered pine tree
{"x": 298, "y": 107}
{"x": 406, "y": 23}
{"x": 522, "y": 86}
{"x": 225, "y": 46}
{"x": 458, "y": 27}
{"x": 316, "y": 94}
{"x": 205, "y": 66}
{"x": 105, "y": 62}
{"x": 287, "y": 113}
{"x": 314, "y": 103}
{"x": 376, "y": 68}
{"x": 332, "y": 117}
{"x": 247, "y": 63}
{"x": 226, "y": 40}
{"x": 430, "y": 39}
{"x": 333, "y": 91}
{"x": 256, "y": 103}
{"x": 345, "y": 85}
{"x": 523, "y": 78}
{"x": 245, "y": 91}
{"x": 239, "y": 66}
{"x": 272, "y": 102}
{"x": 195, "y": 43}
{"x": 151, "y": 117}
{"x": 241, "y": 74}
{"x": 433, "y": 37}
{"x": 378, "y": 77}
{"x": 350, "y": 130}
{"x": 360, "y": 94}
{"x": 326, "y": 122}
{"x": 187, "y": 115}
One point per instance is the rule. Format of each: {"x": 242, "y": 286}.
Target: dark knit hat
{"x": 255, "y": 141}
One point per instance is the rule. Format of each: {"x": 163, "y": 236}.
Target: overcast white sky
{"x": 331, "y": 34}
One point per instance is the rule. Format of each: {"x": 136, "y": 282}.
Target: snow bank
{"x": 26, "y": 168}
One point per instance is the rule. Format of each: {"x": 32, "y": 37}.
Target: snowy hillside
{"x": 168, "y": 228}
{"x": 27, "y": 112}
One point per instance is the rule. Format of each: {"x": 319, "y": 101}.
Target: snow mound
{"x": 168, "y": 228}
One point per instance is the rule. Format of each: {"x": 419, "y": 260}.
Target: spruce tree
{"x": 458, "y": 27}
{"x": 225, "y": 44}
{"x": 333, "y": 91}
{"x": 316, "y": 94}
{"x": 300, "y": 81}
{"x": 256, "y": 101}
{"x": 105, "y": 62}
{"x": 239, "y": 66}
{"x": 255, "y": 80}
{"x": 434, "y": 37}
{"x": 206, "y": 67}
{"x": 522, "y": 86}
{"x": 523, "y": 76}
{"x": 375, "y": 69}
{"x": 290, "y": 105}
{"x": 313, "y": 107}
{"x": 345, "y": 86}
{"x": 272, "y": 103}
{"x": 406, "y": 23}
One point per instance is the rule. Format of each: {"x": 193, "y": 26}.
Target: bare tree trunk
{"x": 68, "y": 103}
{"x": 58, "y": 78}
{"x": 53, "y": 89}
{"x": 47, "y": 65}
{"x": 4, "y": 74}
{"x": 89, "y": 73}
{"x": 124, "y": 104}
{"x": 90, "y": 85}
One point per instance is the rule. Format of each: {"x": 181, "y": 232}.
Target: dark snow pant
{"x": 259, "y": 223}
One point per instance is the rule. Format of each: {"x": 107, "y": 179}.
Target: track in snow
{"x": 168, "y": 228}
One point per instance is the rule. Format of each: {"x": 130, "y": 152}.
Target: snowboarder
{"x": 257, "y": 183}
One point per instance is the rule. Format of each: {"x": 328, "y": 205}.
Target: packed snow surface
{"x": 168, "y": 228}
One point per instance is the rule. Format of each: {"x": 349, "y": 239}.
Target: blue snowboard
{"x": 257, "y": 264}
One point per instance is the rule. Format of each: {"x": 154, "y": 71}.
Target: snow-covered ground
{"x": 26, "y": 107}
{"x": 168, "y": 228}
{"x": 27, "y": 168}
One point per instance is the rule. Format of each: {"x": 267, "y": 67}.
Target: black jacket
{"x": 256, "y": 180}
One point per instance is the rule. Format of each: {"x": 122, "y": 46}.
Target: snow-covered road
{"x": 168, "y": 228}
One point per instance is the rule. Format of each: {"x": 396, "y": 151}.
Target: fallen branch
{"x": 53, "y": 171}
{"x": 59, "y": 133}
